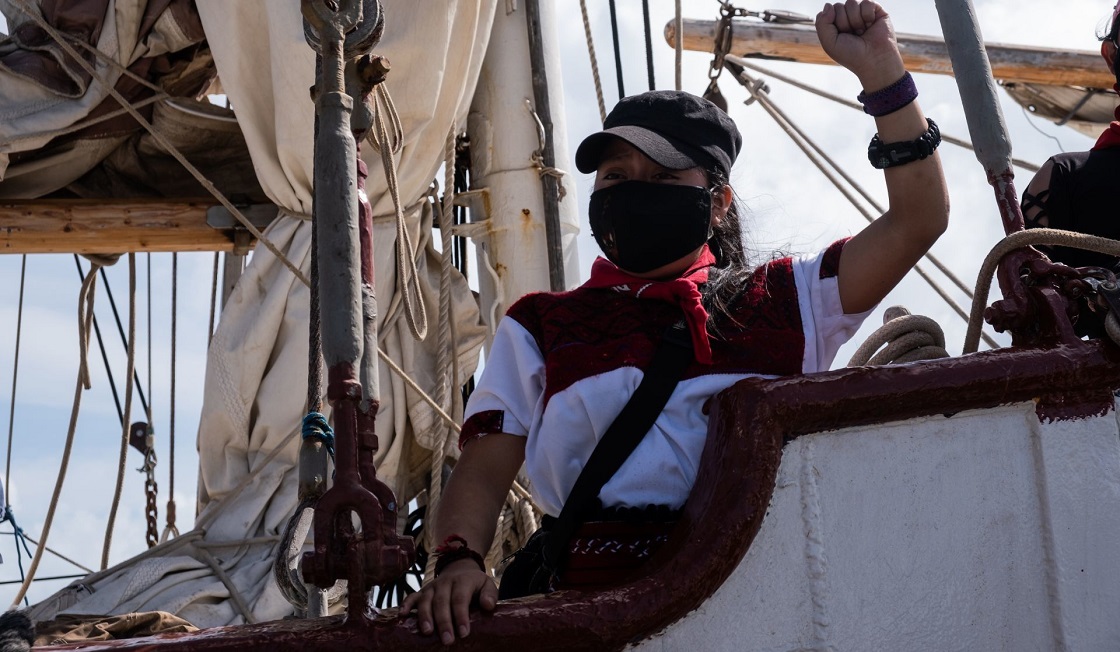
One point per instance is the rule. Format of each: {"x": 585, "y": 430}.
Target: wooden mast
{"x": 920, "y": 53}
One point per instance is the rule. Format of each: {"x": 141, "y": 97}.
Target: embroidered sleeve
{"x": 510, "y": 388}
{"x": 480, "y": 424}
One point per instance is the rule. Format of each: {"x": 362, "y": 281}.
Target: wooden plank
{"x": 98, "y": 226}
{"x": 921, "y": 53}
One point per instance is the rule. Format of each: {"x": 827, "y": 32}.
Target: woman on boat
{"x": 1076, "y": 191}
{"x": 563, "y": 365}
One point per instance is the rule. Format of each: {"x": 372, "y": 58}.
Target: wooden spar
{"x": 94, "y": 226}
{"x": 920, "y": 53}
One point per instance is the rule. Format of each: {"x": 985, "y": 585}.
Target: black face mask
{"x": 641, "y": 226}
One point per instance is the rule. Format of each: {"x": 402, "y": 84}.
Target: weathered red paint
{"x": 376, "y": 554}
{"x": 749, "y": 423}
{"x": 1008, "y": 201}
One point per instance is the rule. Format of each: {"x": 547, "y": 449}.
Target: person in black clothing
{"x": 1076, "y": 191}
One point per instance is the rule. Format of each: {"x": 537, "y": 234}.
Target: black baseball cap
{"x": 678, "y": 130}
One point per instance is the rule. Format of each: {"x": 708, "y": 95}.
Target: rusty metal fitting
{"x": 373, "y": 69}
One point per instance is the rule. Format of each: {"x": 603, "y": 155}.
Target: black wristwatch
{"x": 888, "y": 155}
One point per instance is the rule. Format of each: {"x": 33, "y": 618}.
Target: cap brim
{"x": 673, "y": 154}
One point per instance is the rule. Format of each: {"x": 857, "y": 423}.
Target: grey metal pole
{"x": 986, "y": 127}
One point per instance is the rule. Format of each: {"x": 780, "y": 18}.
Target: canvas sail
{"x": 256, "y": 379}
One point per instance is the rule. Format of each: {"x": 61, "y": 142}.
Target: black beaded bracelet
{"x": 888, "y": 155}
{"x": 447, "y": 553}
{"x": 890, "y": 99}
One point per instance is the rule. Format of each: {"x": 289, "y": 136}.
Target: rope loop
{"x": 315, "y": 426}
{"x": 537, "y": 157}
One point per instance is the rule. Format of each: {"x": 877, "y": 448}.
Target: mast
{"x": 508, "y": 138}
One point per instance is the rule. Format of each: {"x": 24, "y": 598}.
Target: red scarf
{"x": 682, "y": 291}
{"x": 1111, "y": 136}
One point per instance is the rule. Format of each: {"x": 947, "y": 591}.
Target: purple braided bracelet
{"x": 889, "y": 99}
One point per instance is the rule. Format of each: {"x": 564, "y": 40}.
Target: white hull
{"x": 987, "y": 530}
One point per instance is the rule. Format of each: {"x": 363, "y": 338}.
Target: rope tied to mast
{"x": 315, "y": 426}
{"x": 537, "y": 157}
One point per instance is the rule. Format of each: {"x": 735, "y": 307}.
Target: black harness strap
{"x": 669, "y": 362}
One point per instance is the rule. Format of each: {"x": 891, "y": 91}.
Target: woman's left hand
{"x": 858, "y": 35}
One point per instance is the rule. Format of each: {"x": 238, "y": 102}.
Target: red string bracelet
{"x": 454, "y": 548}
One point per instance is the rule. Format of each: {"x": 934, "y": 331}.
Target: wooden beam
{"x": 921, "y": 53}
{"x": 98, "y": 226}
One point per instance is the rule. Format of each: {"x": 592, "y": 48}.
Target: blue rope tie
{"x": 315, "y": 425}
{"x": 6, "y": 515}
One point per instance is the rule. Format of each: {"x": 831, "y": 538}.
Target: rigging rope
{"x": 617, "y": 51}
{"x": 148, "y": 306}
{"x": 595, "y": 61}
{"x": 1051, "y": 237}
{"x": 20, "y": 541}
{"x": 101, "y": 347}
{"x": 649, "y": 44}
{"x": 231, "y": 588}
{"x": 85, "y": 316}
{"x": 169, "y": 529}
{"x": 407, "y": 274}
{"x": 54, "y": 552}
{"x": 446, "y": 353}
{"x": 213, "y": 301}
{"x": 811, "y": 150}
{"x": 959, "y": 142}
{"x": 131, "y": 365}
{"x": 15, "y": 377}
{"x": 124, "y": 340}
{"x": 678, "y": 45}
{"x": 870, "y": 200}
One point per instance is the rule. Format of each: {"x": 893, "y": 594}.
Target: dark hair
{"x": 1113, "y": 35}
{"x": 728, "y": 279}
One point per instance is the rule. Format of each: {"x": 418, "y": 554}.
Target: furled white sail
{"x": 256, "y": 380}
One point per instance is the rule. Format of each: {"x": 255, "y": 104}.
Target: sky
{"x": 790, "y": 208}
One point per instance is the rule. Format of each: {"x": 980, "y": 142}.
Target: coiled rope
{"x": 903, "y": 337}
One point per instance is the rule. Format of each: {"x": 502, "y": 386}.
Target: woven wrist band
{"x": 889, "y": 99}
{"x": 454, "y": 548}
